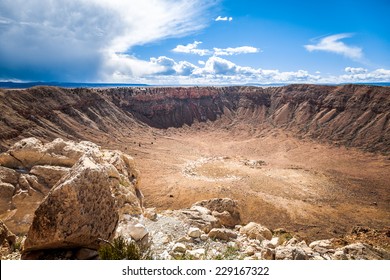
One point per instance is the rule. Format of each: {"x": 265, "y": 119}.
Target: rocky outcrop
{"x": 6, "y": 236}
{"x": 78, "y": 211}
{"x": 256, "y": 231}
{"x": 175, "y": 238}
{"x": 30, "y": 152}
{"x": 351, "y": 115}
{"x": 85, "y": 190}
{"x": 224, "y": 209}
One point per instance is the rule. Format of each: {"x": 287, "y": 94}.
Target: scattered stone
{"x": 194, "y": 232}
{"x": 267, "y": 254}
{"x": 179, "y": 248}
{"x": 200, "y": 217}
{"x": 256, "y": 231}
{"x": 293, "y": 241}
{"x": 204, "y": 237}
{"x": 150, "y": 213}
{"x": 138, "y": 231}
{"x": 197, "y": 253}
{"x": 250, "y": 251}
{"x": 326, "y": 243}
{"x": 322, "y": 246}
{"x": 339, "y": 255}
{"x": 222, "y": 233}
{"x": 224, "y": 209}
{"x": 184, "y": 239}
{"x": 283, "y": 253}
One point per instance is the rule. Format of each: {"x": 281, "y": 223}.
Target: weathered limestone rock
{"x": 256, "y": 231}
{"x": 222, "y": 233}
{"x": 362, "y": 251}
{"x": 267, "y": 254}
{"x": 84, "y": 206}
{"x": 6, "y": 235}
{"x": 322, "y": 246}
{"x": 131, "y": 227}
{"x": 6, "y": 193}
{"x": 194, "y": 232}
{"x": 179, "y": 248}
{"x": 200, "y": 217}
{"x": 30, "y": 152}
{"x": 50, "y": 174}
{"x": 196, "y": 254}
{"x": 150, "y": 213}
{"x": 224, "y": 209}
{"x": 8, "y": 175}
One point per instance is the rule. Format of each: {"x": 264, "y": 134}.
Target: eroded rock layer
{"x": 352, "y": 115}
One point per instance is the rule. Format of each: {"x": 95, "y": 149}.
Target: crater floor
{"x": 317, "y": 190}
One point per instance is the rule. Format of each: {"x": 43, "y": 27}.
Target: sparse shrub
{"x": 230, "y": 253}
{"x": 121, "y": 249}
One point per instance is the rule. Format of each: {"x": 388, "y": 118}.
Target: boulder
{"x": 222, "y": 234}
{"x": 179, "y": 248}
{"x": 256, "y": 231}
{"x": 6, "y": 193}
{"x": 50, "y": 174}
{"x": 199, "y": 217}
{"x": 8, "y": 175}
{"x": 83, "y": 207}
{"x": 29, "y": 152}
{"x": 6, "y": 236}
{"x": 224, "y": 209}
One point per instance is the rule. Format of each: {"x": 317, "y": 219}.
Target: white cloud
{"x": 217, "y": 70}
{"x": 201, "y": 62}
{"x": 333, "y": 44}
{"x": 219, "y": 18}
{"x": 358, "y": 70}
{"x": 234, "y": 51}
{"x": 74, "y": 39}
{"x": 363, "y": 75}
{"x": 191, "y": 49}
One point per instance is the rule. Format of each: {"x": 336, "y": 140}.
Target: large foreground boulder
{"x": 82, "y": 191}
{"x": 78, "y": 211}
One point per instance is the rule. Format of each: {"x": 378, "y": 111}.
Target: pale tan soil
{"x": 314, "y": 189}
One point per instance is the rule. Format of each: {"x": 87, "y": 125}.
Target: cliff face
{"x": 352, "y": 115}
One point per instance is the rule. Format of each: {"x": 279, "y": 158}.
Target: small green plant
{"x": 121, "y": 249}
{"x": 286, "y": 236}
{"x": 230, "y": 253}
{"x": 18, "y": 243}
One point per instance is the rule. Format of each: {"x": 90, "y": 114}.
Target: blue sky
{"x": 195, "y": 42}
